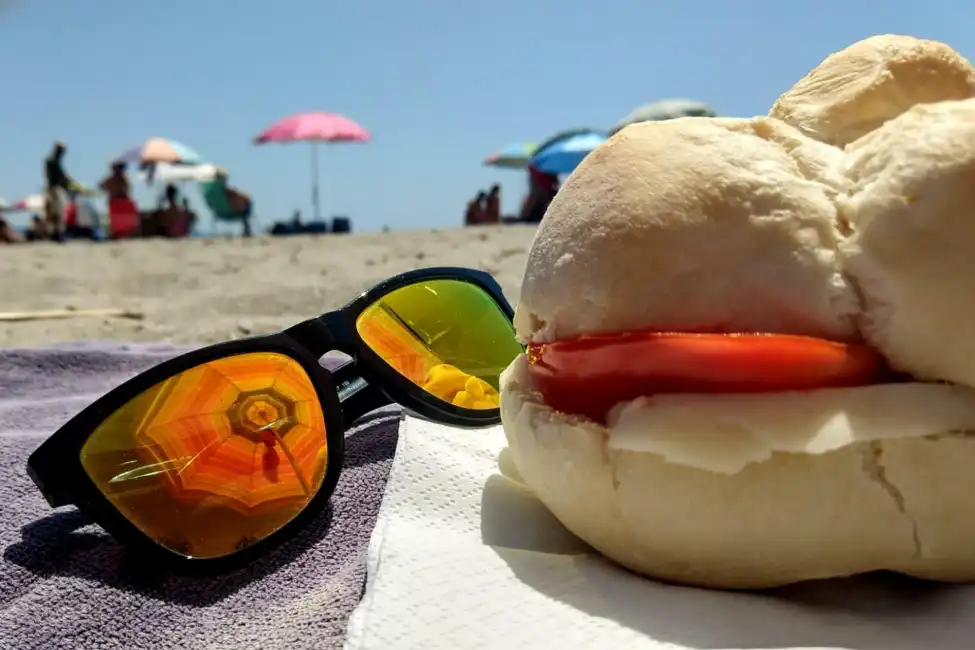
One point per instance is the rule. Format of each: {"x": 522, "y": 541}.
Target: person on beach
{"x": 189, "y": 215}
{"x": 168, "y": 212}
{"x": 239, "y": 201}
{"x": 542, "y": 188}
{"x": 492, "y": 208}
{"x": 37, "y": 231}
{"x": 58, "y": 184}
{"x": 475, "y": 210}
{"x": 7, "y": 233}
{"x": 179, "y": 219}
{"x": 170, "y": 200}
{"x": 123, "y": 213}
{"x": 116, "y": 184}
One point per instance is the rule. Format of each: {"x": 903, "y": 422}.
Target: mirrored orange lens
{"x": 447, "y": 336}
{"x": 215, "y": 458}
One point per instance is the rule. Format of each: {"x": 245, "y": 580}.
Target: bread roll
{"x": 856, "y": 90}
{"x": 683, "y": 225}
{"x": 856, "y": 498}
{"x": 702, "y": 224}
{"x": 912, "y": 252}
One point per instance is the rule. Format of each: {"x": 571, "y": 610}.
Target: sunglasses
{"x": 217, "y": 455}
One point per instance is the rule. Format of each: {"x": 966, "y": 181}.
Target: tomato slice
{"x": 589, "y": 375}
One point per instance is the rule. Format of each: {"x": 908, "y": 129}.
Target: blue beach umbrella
{"x": 563, "y": 155}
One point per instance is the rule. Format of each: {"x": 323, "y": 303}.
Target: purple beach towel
{"x": 64, "y": 583}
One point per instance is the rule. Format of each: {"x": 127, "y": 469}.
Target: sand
{"x": 209, "y": 290}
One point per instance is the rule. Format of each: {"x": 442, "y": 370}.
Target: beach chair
{"x": 216, "y": 199}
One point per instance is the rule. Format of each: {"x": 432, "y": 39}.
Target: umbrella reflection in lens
{"x": 447, "y": 336}
{"x": 215, "y": 458}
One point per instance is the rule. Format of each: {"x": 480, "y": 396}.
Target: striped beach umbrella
{"x": 245, "y": 431}
{"x": 665, "y": 109}
{"x": 159, "y": 150}
{"x": 514, "y": 156}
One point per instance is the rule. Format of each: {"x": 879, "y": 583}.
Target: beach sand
{"x": 209, "y": 290}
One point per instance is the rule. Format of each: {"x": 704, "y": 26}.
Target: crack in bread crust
{"x": 871, "y": 462}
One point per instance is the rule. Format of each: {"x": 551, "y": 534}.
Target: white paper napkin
{"x": 464, "y": 558}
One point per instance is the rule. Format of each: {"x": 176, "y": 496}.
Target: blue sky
{"x": 439, "y": 83}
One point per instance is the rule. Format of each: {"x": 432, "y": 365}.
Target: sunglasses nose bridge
{"x": 322, "y": 335}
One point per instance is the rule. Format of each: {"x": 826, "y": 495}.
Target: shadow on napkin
{"x": 870, "y": 612}
{"x": 66, "y": 583}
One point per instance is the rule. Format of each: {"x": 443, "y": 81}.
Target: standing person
{"x": 116, "y": 184}
{"x": 58, "y": 184}
{"x": 123, "y": 214}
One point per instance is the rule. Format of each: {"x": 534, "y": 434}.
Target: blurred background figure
{"x": 173, "y": 216}
{"x": 492, "y": 207}
{"x": 7, "y": 233}
{"x": 475, "y": 210}
{"x": 57, "y": 186}
{"x": 227, "y": 202}
{"x": 123, "y": 213}
{"x": 542, "y": 188}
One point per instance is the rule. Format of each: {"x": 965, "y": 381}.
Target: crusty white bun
{"x": 856, "y": 90}
{"x": 733, "y": 225}
{"x": 693, "y": 222}
{"x": 912, "y": 251}
{"x": 748, "y": 492}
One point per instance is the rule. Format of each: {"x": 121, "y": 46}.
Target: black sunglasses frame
{"x": 346, "y": 393}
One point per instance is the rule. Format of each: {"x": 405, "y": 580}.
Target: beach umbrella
{"x": 159, "y": 150}
{"x": 562, "y": 135}
{"x": 314, "y": 128}
{"x": 32, "y": 203}
{"x": 169, "y": 173}
{"x": 665, "y": 109}
{"x": 245, "y": 429}
{"x": 564, "y": 154}
{"x": 514, "y": 156}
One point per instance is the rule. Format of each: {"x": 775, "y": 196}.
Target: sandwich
{"x": 750, "y": 343}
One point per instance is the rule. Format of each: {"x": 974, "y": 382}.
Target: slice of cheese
{"x": 724, "y": 433}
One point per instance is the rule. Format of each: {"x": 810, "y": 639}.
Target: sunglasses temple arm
{"x": 356, "y": 395}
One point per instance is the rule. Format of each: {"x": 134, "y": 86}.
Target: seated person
{"x": 167, "y": 216}
{"x": 7, "y": 233}
{"x": 475, "y": 210}
{"x": 188, "y": 211}
{"x": 182, "y": 220}
{"x": 492, "y": 205}
{"x": 38, "y": 230}
{"x": 542, "y": 188}
{"x": 240, "y": 202}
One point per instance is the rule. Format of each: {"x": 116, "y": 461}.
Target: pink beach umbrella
{"x": 314, "y": 128}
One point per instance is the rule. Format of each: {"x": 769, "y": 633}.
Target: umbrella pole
{"x": 314, "y": 180}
